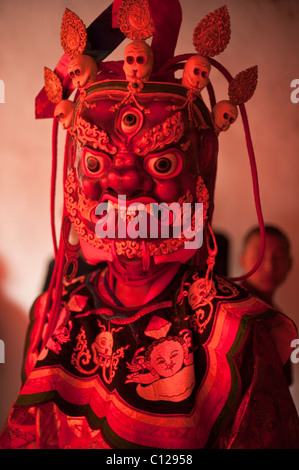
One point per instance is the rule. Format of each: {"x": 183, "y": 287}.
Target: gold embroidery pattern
{"x": 92, "y": 135}
{"x": 72, "y": 207}
{"x": 85, "y": 205}
{"x": 134, "y": 19}
{"x": 102, "y": 355}
{"x": 243, "y": 86}
{"x": 200, "y": 299}
{"x": 53, "y": 86}
{"x": 73, "y": 34}
{"x": 212, "y": 34}
{"x": 169, "y": 132}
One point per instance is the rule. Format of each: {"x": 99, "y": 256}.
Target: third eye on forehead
{"x": 129, "y": 119}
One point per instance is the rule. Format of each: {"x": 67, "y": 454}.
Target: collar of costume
{"x": 100, "y": 362}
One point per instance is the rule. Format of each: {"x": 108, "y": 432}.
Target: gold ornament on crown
{"x": 73, "y": 34}
{"x": 134, "y": 19}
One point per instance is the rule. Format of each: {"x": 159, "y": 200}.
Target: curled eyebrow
{"x": 174, "y": 353}
{"x": 160, "y": 358}
{"x": 88, "y": 133}
{"x": 169, "y": 132}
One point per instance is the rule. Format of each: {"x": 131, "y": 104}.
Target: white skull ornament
{"x": 224, "y": 115}
{"x": 102, "y": 348}
{"x": 64, "y": 113}
{"x": 83, "y": 71}
{"x": 198, "y": 295}
{"x": 196, "y": 73}
{"x": 138, "y": 61}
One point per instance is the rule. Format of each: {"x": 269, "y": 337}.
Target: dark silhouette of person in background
{"x": 273, "y": 270}
{"x": 275, "y": 266}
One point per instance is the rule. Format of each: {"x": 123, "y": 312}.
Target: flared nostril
{"x": 112, "y": 192}
{"x": 129, "y": 182}
{"x": 136, "y": 194}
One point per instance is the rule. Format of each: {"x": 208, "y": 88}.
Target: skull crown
{"x": 83, "y": 71}
{"x": 224, "y": 114}
{"x": 138, "y": 61}
{"x": 196, "y": 73}
{"x": 64, "y": 113}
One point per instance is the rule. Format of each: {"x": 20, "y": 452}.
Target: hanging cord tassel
{"x": 53, "y": 302}
{"x": 55, "y": 294}
{"x": 38, "y": 337}
{"x": 212, "y": 252}
{"x": 53, "y": 182}
{"x": 145, "y": 257}
{"x": 71, "y": 263}
{"x": 254, "y": 175}
{"x": 176, "y": 63}
{"x": 256, "y": 197}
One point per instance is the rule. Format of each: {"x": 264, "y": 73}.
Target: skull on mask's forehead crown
{"x": 138, "y": 61}
{"x": 224, "y": 115}
{"x": 83, "y": 71}
{"x": 196, "y": 73}
{"x": 64, "y": 113}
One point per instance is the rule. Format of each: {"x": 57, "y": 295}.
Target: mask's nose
{"x": 127, "y": 177}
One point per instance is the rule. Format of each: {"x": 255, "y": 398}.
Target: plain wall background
{"x": 264, "y": 33}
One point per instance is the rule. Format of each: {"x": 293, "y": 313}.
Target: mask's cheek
{"x": 94, "y": 255}
{"x": 91, "y": 188}
{"x": 171, "y": 190}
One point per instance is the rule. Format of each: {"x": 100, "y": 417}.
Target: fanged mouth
{"x": 80, "y": 209}
{"x": 140, "y": 218}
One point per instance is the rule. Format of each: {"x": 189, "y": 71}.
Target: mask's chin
{"x": 182, "y": 255}
{"x": 95, "y": 255}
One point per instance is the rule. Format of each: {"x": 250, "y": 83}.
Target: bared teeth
{"x": 131, "y": 209}
{"x": 128, "y": 212}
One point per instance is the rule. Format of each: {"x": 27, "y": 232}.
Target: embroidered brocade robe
{"x": 185, "y": 371}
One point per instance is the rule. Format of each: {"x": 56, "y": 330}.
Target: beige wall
{"x": 264, "y": 33}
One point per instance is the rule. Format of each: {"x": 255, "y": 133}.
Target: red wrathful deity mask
{"x": 139, "y": 155}
{"x": 141, "y": 144}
